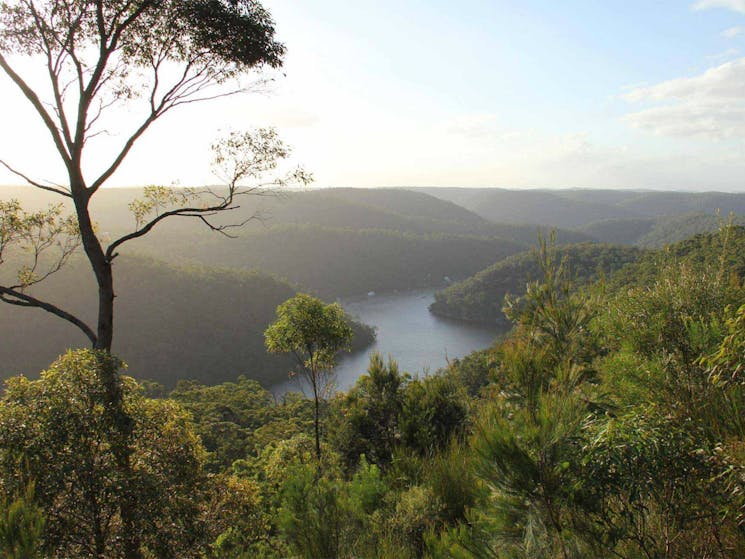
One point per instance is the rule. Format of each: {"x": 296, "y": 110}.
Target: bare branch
{"x": 53, "y": 69}
{"x": 184, "y": 212}
{"x": 13, "y": 297}
{"x": 33, "y": 98}
{"x": 35, "y": 183}
{"x": 122, "y": 154}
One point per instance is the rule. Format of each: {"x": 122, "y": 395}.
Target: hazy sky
{"x": 528, "y": 93}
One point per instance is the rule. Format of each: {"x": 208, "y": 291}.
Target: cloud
{"x": 733, "y": 32}
{"x": 725, "y": 82}
{"x": 722, "y": 56}
{"x": 715, "y": 121}
{"x": 710, "y": 105}
{"x": 735, "y": 5}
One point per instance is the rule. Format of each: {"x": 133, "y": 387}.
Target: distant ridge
{"x": 578, "y": 208}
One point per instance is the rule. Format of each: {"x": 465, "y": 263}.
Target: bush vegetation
{"x": 606, "y": 424}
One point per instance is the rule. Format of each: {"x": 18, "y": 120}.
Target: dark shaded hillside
{"x": 172, "y": 323}
{"x": 480, "y": 298}
{"x": 335, "y": 242}
{"x": 359, "y": 208}
{"x": 620, "y": 231}
{"x": 395, "y": 209}
{"x": 340, "y": 262}
{"x": 404, "y": 202}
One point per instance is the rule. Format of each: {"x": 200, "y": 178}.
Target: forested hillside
{"x": 481, "y": 297}
{"x": 334, "y": 242}
{"x": 723, "y": 251}
{"x": 396, "y": 209}
{"x": 548, "y": 207}
{"x": 673, "y": 229}
{"x": 620, "y": 231}
{"x": 175, "y": 323}
{"x": 336, "y": 262}
{"x": 606, "y": 424}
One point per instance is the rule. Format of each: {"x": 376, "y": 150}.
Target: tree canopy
{"x": 313, "y": 333}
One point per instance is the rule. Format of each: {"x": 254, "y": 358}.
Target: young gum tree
{"x": 97, "y": 56}
{"x": 313, "y": 333}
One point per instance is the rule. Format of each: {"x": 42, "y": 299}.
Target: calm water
{"x": 409, "y": 333}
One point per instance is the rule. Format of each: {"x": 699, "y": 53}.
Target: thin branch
{"x": 53, "y": 69}
{"x": 68, "y": 249}
{"x": 185, "y": 212}
{"x": 13, "y": 297}
{"x": 222, "y": 229}
{"x": 122, "y": 154}
{"x": 208, "y": 97}
{"x": 35, "y": 183}
{"x": 33, "y": 98}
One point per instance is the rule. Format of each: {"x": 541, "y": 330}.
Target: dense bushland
{"x": 608, "y": 423}
{"x": 480, "y": 298}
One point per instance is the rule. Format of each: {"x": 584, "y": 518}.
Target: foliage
{"x": 60, "y": 426}
{"x": 474, "y": 371}
{"x": 30, "y": 237}
{"x": 434, "y": 410}
{"x": 312, "y": 517}
{"x": 238, "y": 522}
{"x": 607, "y": 423}
{"x": 21, "y": 525}
{"x": 228, "y": 416}
{"x": 370, "y": 412}
{"x": 481, "y": 297}
{"x": 309, "y": 329}
{"x": 651, "y": 486}
{"x": 726, "y": 365}
{"x": 314, "y": 333}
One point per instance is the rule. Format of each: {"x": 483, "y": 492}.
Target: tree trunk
{"x": 101, "y": 269}
{"x": 316, "y": 417}
{"x": 121, "y": 423}
{"x": 105, "y": 329}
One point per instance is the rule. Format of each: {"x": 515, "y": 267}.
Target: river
{"x": 418, "y": 340}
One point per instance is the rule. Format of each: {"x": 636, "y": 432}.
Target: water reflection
{"x": 409, "y": 333}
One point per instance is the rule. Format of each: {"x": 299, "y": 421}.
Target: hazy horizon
{"x": 316, "y": 187}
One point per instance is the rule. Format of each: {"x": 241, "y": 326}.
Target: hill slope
{"x": 480, "y": 298}
{"x": 547, "y": 207}
{"x": 172, "y": 323}
{"x": 334, "y": 242}
{"x": 335, "y": 262}
{"x": 578, "y": 208}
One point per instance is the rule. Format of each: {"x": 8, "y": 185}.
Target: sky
{"x": 643, "y": 94}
